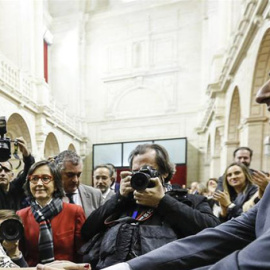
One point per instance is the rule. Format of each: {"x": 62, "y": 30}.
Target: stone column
{"x": 253, "y": 131}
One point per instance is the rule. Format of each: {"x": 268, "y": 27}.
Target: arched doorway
{"x": 17, "y": 127}
{"x": 51, "y": 147}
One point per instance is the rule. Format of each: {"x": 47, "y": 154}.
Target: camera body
{"x": 5, "y": 143}
{"x": 11, "y": 230}
{"x": 140, "y": 180}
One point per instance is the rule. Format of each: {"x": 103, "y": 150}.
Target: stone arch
{"x": 135, "y": 102}
{"x": 51, "y": 147}
{"x": 17, "y": 127}
{"x": 259, "y": 125}
{"x": 141, "y": 97}
{"x": 234, "y": 118}
{"x": 71, "y": 147}
{"x": 261, "y": 71}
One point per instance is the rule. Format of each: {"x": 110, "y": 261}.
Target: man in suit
{"x": 71, "y": 166}
{"x": 241, "y": 243}
{"x": 103, "y": 179}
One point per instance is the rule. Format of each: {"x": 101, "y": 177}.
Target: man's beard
{"x": 102, "y": 189}
{"x": 246, "y": 164}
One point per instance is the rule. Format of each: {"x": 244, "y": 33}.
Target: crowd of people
{"x": 144, "y": 222}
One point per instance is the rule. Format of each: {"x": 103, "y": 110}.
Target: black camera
{"x": 5, "y": 149}
{"x": 11, "y": 230}
{"x": 140, "y": 180}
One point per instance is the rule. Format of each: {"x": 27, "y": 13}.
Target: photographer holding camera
{"x": 11, "y": 231}
{"x": 11, "y": 190}
{"x": 143, "y": 215}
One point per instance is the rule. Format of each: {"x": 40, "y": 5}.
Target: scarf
{"x": 43, "y": 216}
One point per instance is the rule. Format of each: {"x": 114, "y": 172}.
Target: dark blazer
{"x": 241, "y": 243}
{"x": 15, "y": 198}
{"x": 91, "y": 198}
{"x": 66, "y": 228}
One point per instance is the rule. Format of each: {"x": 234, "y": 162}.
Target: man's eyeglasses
{"x": 45, "y": 178}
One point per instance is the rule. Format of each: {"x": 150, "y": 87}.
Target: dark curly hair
{"x": 59, "y": 192}
{"x": 243, "y": 148}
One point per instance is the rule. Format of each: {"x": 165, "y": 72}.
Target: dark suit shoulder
{"x": 196, "y": 199}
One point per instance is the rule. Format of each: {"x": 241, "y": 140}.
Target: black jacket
{"x": 14, "y": 198}
{"x": 239, "y": 200}
{"x": 178, "y": 215}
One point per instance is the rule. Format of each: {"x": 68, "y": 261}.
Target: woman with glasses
{"x": 52, "y": 227}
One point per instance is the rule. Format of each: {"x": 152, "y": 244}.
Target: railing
{"x": 21, "y": 87}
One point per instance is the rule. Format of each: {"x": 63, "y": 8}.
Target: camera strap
{"x": 143, "y": 215}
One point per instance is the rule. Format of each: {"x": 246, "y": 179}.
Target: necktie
{"x": 70, "y": 196}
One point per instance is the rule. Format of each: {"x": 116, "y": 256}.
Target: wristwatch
{"x": 231, "y": 206}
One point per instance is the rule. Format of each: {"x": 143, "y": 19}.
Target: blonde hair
{"x": 231, "y": 191}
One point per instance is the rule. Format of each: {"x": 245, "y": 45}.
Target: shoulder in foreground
{"x": 196, "y": 197}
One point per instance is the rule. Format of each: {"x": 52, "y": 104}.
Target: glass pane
{"x": 128, "y": 148}
{"x": 176, "y": 149}
{"x": 107, "y": 153}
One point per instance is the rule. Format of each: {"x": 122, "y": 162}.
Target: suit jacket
{"x": 66, "y": 228}
{"x": 241, "y": 243}
{"x": 110, "y": 194}
{"x": 91, "y": 198}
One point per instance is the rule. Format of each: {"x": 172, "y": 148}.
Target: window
{"x": 118, "y": 153}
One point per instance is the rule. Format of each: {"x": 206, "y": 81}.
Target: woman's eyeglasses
{"x": 45, "y": 178}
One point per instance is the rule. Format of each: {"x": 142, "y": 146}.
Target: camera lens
{"x": 11, "y": 230}
{"x": 140, "y": 181}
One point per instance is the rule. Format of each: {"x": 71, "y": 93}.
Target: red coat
{"x": 66, "y": 228}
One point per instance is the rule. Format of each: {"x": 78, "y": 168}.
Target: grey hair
{"x": 105, "y": 166}
{"x": 65, "y": 156}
